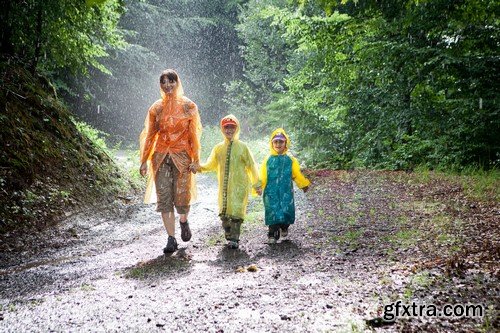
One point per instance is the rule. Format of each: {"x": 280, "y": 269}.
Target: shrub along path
{"x": 362, "y": 240}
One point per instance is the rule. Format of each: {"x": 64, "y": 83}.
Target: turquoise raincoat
{"x": 276, "y": 174}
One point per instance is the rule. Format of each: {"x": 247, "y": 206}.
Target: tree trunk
{"x": 6, "y": 46}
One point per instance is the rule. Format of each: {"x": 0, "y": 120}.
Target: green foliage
{"x": 212, "y": 135}
{"x": 196, "y": 38}
{"x": 266, "y": 55}
{"x": 94, "y": 135}
{"x": 391, "y": 85}
{"x": 51, "y": 35}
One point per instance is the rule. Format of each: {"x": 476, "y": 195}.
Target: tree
{"x": 197, "y": 38}
{"x": 50, "y": 35}
{"x": 388, "y": 83}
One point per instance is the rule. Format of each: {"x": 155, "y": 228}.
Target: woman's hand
{"x": 143, "y": 170}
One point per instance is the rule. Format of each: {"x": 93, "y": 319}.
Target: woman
{"x": 169, "y": 144}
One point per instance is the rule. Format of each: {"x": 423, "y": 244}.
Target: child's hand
{"x": 194, "y": 167}
{"x": 259, "y": 190}
{"x": 305, "y": 189}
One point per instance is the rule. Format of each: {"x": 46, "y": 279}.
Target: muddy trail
{"x": 361, "y": 241}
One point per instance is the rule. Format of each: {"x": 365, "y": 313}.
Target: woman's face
{"x": 168, "y": 85}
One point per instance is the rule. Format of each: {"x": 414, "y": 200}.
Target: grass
{"x": 407, "y": 238}
{"x": 350, "y": 237}
{"x": 482, "y": 185}
{"x": 87, "y": 287}
{"x": 489, "y": 319}
{"x": 11, "y": 307}
{"x": 420, "y": 280}
{"x": 352, "y": 220}
{"x": 215, "y": 239}
{"x": 97, "y": 137}
{"x": 404, "y": 238}
{"x": 425, "y": 207}
{"x": 446, "y": 239}
{"x": 345, "y": 176}
{"x": 130, "y": 167}
{"x": 477, "y": 183}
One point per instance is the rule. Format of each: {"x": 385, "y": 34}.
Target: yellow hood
{"x": 287, "y": 143}
{"x": 237, "y": 132}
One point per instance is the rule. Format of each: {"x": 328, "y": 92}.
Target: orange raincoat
{"x": 173, "y": 127}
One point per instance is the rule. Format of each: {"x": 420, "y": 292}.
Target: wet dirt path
{"x": 112, "y": 276}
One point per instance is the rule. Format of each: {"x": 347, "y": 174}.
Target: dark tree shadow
{"x": 231, "y": 258}
{"x": 227, "y": 255}
{"x": 283, "y": 250}
{"x": 176, "y": 263}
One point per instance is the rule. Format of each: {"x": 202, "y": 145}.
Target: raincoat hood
{"x": 179, "y": 90}
{"x": 287, "y": 142}
{"x": 237, "y": 132}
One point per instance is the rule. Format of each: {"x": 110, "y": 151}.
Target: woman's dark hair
{"x": 170, "y": 74}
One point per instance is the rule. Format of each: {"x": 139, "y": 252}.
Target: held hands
{"x": 259, "y": 190}
{"x": 305, "y": 189}
{"x": 194, "y": 167}
{"x": 143, "y": 170}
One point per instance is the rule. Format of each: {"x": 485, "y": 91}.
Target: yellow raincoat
{"x": 276, "y": 174}
{"x": 242, "y": 174}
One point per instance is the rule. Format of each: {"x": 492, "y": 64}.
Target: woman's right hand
{"x": 143, "y": 169}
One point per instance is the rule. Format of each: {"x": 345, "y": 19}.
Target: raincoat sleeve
{"x": 297, "y": 175}
{"x": 263, "y": 173}
{"x": 195, "y": 131}
{"x": 252, "y": 171}
{"x": 148, "y": 134}
{"x": 211, "y": 163}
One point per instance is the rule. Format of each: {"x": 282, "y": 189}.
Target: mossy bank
{"x": 48, "y": 168}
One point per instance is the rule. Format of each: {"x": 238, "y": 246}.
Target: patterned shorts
{"x": 172, "y": 187}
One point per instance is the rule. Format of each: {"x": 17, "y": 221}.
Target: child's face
{"x": 229, "y": 131}
{"x": 279, "y": 146}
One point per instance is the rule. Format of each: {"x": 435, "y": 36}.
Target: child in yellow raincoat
{"x": 277, "y": 172}
{"x": 237, "y": 173}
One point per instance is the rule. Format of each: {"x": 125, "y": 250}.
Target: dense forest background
{"x": 357, "y": 84}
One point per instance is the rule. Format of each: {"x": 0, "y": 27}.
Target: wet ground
{"x": 105, "y": 270}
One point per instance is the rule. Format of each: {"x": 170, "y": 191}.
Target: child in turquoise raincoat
{"x": 277, "y": 172}
{"x": 237, "y": 173}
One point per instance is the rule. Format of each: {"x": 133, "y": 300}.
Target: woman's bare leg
{"x": 169, "y": 222}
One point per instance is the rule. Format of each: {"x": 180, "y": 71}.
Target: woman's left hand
{"x": 143, "y": 169}
{"x": 193, "y": 167}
